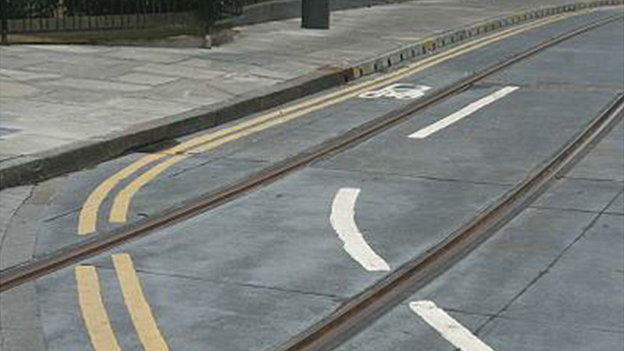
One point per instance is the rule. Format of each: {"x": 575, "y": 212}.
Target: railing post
{"x": 315, "y": 14}
{"x": 4, "y": 22}
{"x": 206, "y": 16}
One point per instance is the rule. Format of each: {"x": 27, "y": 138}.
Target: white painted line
{"x": 343, "y": 221}
{"x": 464, "y": 112}
{"x": 449, "y": 328}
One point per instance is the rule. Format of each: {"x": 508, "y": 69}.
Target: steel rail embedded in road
{"x": 372, "y": 301}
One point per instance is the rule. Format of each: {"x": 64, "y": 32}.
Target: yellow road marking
{"x": 88, "y": 216}
{"x": 137, "y": 305}
{"x": 119, "y": 211}
{"x": 93, "y": 311}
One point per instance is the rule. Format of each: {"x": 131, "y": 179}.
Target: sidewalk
{"x": 91, "y": 103}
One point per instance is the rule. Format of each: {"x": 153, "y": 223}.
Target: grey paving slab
{"x": 10, "y": 201}
{"x": 17, "y": 90}
{"x": 147, "y": 54}
{"x": 31, "y": 143}
{"x": 585, "y": 287}
{"x": 21, "y": 75}
{"x": 486, "y": 280}
{"x": 92, "y": 84}
{"x": 475, "y": 61}
{"x": 146, "y": 106}
{"x": 186, "y": 91}
{"x": 181, "y": 71}
{"x": 21, "y": 232}
{"x": 521, "y": 335}
{"x": 76, "y": 69}
{"x": 578, "y": 54}
{"x": 605, "y": 161}
{"x": 149, "y": 79}
{"x": 20, "y": 324}
{"x": 617, "y": 207}
{"x": 580, "y": 194}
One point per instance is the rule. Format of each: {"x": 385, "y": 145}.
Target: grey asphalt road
{"x": 250, "y": 274}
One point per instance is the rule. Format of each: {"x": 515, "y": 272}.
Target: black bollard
{"x": 315, "y": 14}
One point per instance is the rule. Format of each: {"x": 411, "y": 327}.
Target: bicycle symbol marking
{"x": 401, "y": 91}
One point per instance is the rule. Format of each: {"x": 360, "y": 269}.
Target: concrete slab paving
{"x": 578, "y": 54}
{"x": 523, "y": 335}
{"x": 580, "y": 194}
{"x": 20, "y": 323}
{"x": 12, "y": 199}
{"x": 617, "y": 207}
{"x": 21, "y": 232}
{"x": 606, "y": 156}
{"x": 576, "y": 289}
{"x": 484, "y": 283}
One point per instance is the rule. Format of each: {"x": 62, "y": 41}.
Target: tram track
{"x": 355, "y": 313}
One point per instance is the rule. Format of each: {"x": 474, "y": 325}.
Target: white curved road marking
{"x": 449, "y": 328}
{"x": 464, "y": 112}
{"x": 343, "y": 221}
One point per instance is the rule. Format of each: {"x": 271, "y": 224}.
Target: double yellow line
{"x": 92, "y": 306}
{"x": 94, "y": 313}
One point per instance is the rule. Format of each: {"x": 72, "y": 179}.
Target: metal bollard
{"x": 207, "y": 16}
{"x": 315, "y": 14}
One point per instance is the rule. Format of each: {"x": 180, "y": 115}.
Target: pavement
{"x": 65, "y": 107}
{"x": 250, "y": 274}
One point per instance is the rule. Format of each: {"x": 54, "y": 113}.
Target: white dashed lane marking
{"x": 449, "y": 328}
{"x": 464, "y": 112}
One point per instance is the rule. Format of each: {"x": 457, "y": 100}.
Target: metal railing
{"x": 45, "y": 16}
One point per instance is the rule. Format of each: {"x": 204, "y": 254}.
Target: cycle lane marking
{"x": 462, "y": 113}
